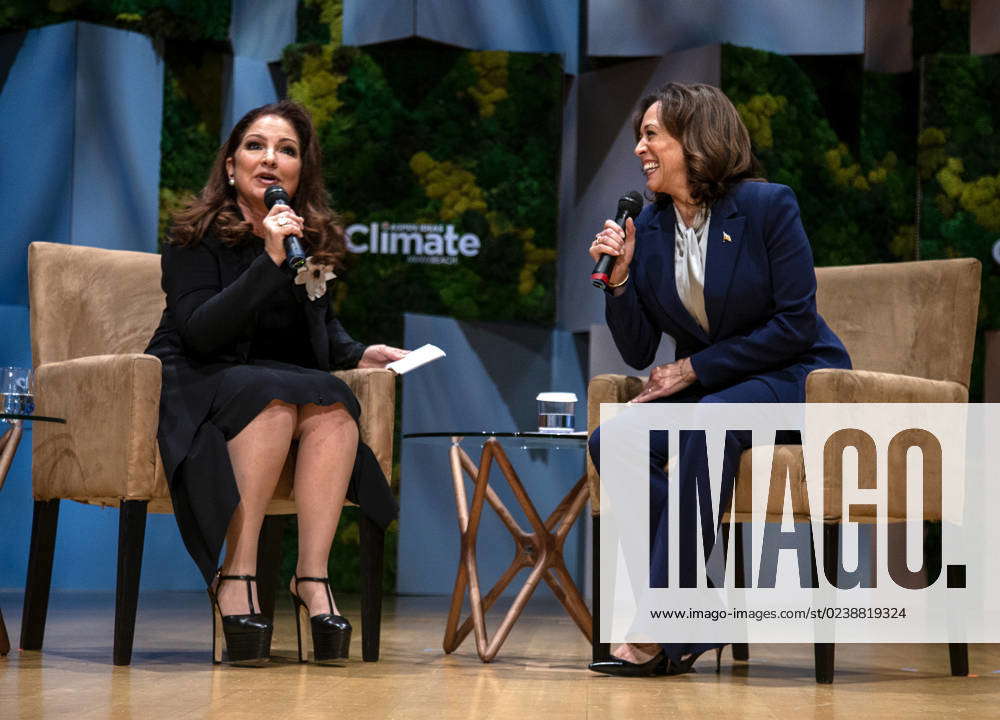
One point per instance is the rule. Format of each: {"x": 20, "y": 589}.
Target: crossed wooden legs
{"x": 540, "y": 550}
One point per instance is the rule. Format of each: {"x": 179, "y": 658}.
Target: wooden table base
{"x": 540, "y": 550}
{"x": 8, "y": 447}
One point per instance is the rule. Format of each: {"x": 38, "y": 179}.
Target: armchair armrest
{"x": 605, "y": 389}
{"x": 375, "y": 389}
{"x": 609, "y": 389}
{"x": 864, "y": 386}
{"x": 107, "y": 448}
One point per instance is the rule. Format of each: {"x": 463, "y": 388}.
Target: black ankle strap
{"x": 247, "y": 579}
{"x": 312, "y": 579}
{"x": 324, "y": 580}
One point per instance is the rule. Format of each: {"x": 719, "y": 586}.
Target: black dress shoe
{"x": 656, "y": 665}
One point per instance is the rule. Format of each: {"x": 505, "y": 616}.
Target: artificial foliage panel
{"x": 959, "y": 166}
{"x": 449, "y": 158}
{"x": 192, "y": 91}
{"x": 176, "y": 19}
{"x": 837, "y": 136}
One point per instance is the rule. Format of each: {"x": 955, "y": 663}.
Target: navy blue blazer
{"x": 760, "y": 296}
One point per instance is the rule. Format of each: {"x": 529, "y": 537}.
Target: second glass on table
{"x": 16, "y": 391}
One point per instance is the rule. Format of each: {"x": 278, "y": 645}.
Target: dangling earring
{"x": 232, "y": 180}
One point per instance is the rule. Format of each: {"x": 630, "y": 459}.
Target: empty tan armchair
{"x": 910, "y": 330}
{"x": 92, "y": 313}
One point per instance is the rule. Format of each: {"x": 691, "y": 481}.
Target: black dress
{"x": 237, "y": 334}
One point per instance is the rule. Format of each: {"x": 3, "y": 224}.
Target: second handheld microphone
{"x": 629, "y": 206}
{"x": 296, "y": 258}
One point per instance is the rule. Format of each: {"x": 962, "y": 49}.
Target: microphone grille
{"x": 630, "y": 203}
{"x": 275, "y": 194}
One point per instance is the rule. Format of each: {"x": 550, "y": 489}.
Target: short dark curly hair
{"x": 716, "y": 143}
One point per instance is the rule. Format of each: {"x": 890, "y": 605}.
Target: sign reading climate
{"x": 425, "y": 243}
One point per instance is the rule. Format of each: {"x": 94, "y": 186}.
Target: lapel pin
{"x": 726, "y": 238}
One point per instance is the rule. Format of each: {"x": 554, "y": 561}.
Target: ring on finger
{"x": 282, "y": 221}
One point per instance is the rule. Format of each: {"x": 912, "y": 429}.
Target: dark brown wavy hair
{"x": 214, "y": 209}
{"x": 715, "y": 141}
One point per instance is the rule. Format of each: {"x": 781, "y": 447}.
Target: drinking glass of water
{"x": 16, "y": 391}
{"x": 556, "y": 412}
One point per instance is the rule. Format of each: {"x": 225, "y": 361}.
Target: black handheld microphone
{"x": 629, "y": 206}
{"x": 295, "y": 257}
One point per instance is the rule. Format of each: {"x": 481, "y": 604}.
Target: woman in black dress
{"x": 247, "y": 345}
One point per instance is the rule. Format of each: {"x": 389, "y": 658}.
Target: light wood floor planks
{"x": 539, "y": 673}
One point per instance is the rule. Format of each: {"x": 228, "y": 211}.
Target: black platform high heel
{"x": 659, "y": 664}
{"x": 248, "y": 637}
{"x": 331, "y": 634}
{"x": 686, "y": 664}
{"x": 656, "y": 665}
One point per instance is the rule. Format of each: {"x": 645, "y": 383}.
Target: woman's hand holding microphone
{"x": 279, "y": 223}
{"x": 620, "y": 244}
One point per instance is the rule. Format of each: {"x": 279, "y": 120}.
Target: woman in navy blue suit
{"x": 720, "y": 262}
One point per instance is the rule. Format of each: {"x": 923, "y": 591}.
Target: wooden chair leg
{"x": 599, "y": 651}
{"x": 269, "y": 562}
{"x": 831, "y": 551}
{"x": 372, "y": 553}
{"x": 131, "y": 538}
{"x": 36, "y": 588}
{"x": 741, "y": 651}
{"x": 824, "y": 662}
{"x": 959, "y": 655}
{"x": 4, "y": 639}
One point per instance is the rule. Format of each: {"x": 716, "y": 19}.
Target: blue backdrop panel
{"x": 489, "y": 380}
{"x": 259, "y": 30}
{"x": 36, "y": 123}
{"x": 547, "y": 26}
{"x": 116, "y": 150}
{"x": 631, "y": 29}
{"x": 251, "y": 86}
{"x": 367, "y": 23}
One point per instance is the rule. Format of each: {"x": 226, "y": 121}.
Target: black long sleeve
{"x": 208, "y": 316}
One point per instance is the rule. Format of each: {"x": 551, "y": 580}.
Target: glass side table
{"x": 8, "y": 447}
{"x": 540, "y": 550}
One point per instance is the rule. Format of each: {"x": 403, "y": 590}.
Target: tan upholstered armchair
{"x": 910, "y": 330}
{"x": 92, "y": 313}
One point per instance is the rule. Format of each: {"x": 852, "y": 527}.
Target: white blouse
{"x": 690, "y": 244}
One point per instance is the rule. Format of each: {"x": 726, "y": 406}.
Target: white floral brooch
{"x": 314, "y": 276}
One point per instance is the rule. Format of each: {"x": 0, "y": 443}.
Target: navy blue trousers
{"x": 693, "y": 460}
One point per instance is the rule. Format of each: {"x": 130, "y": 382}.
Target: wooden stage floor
{"x": 539, "y": 673}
